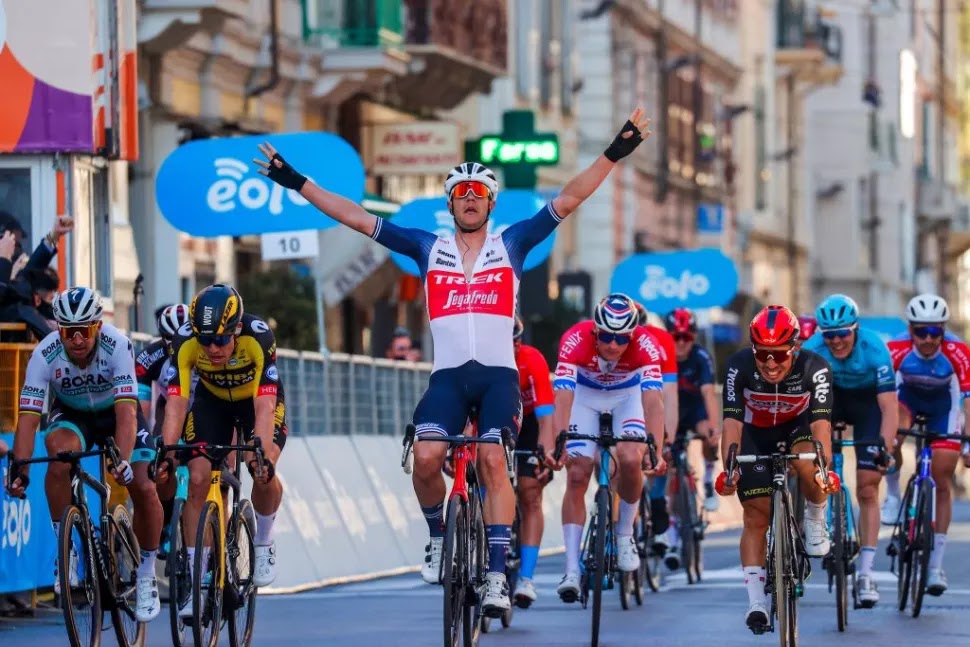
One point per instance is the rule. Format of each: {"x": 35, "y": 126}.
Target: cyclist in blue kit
{"x": 864, "y": 397}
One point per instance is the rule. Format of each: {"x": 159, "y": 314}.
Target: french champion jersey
{"x": 109, "y": 378}
{"x": 471, "y": 318}
{"x": 580, "y": 363}
{"x": 945, "y": 374}
{"x": 868, "y": 366}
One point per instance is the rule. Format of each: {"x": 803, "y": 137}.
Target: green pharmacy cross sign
{"x": 517, "y": 150}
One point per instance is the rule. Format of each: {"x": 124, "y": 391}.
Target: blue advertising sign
{"x": 210, "y": 187}
{"x": 888, "y": 328}
{"x": 710, "y": 218}
{"x": 28, "y": 546}
{"x": 703, "y": 278}
{"x": 431, "y": 214}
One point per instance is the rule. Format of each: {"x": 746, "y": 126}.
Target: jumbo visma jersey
{"x": 250, "y": 371}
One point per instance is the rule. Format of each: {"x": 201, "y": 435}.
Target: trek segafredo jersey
{"x": 471, "y": 318}
{"x": 109, "y": 378}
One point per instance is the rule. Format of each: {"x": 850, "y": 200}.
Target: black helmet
{"x": 216, "y": 310}
{"x": 517, "y": 329}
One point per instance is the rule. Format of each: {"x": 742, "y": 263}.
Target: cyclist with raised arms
{"x": 865, "y": 397}
{"x": 775, "y": 397}
{"x": 535, "y": 387}
{"x": 608, "y": 363}
{"x": 933, "y": 379}
{"x": 471, "y": 287}
{"x": 88, "y": 367}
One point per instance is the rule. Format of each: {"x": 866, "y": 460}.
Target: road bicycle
{"x": 102, "y": 558}
{"x": 690, "y": 514}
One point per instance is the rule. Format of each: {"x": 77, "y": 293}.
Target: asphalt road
{"x": 403, "y": 611}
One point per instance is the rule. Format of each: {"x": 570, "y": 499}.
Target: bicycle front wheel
{"x": 922, "y": 546}
{"x": 454, "y": 560}
{"x": 598, "y": 559}
{"x": 241, "y": 565}
{"x": 207, "y": 578}
{"x": 179, "y": 581}
{"x": 781, "y": 568}
{"x": 839, "y": 559}
{"x": 126, "y": 555}
{"x": 904, "y": 548}
{"x": 75, "y": 562}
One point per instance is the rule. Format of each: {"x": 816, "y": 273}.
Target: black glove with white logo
{"x": 280, "y": 171}
{"x": 625, "y": 142}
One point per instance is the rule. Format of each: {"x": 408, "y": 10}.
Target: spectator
{"x": 414, "y": 354}
{"x": 26, "y": 281}
{"x": 400, "y": 346}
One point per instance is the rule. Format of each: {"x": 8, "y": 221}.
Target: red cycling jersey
{"x": 668, "y": 352}
{"x": 534, "y": 381}
{"x": 580, "y": 363}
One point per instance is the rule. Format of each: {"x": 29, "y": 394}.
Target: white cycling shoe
{"x": 627, "y": 557}
{"x": 431, "y": 569}
{"x": 568, "y": 589}
{"x": 889, "y": 512}
{"x": 757, "y": 617}
{"x": 265, "y": 565}
{"x": 148, "y": 604}
{"x": 496, "y": 601}
{"x": 525, "y": 593}
{"x": 817, "y": 542}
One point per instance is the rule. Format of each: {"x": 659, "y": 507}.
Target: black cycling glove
{"x": 286, "y": 176}
{"x": 623, "y": 146}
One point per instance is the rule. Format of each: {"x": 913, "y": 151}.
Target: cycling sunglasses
{"x": 928, "y": 331}
{"x": 607, "y": 337}
{"x": 764, "y": 355}
{"x": 683, "y": 336}
{"x": 86, "y": 331}
{"x": 478, "y": 189}
{"x": 214, "y": 340}
{"x": 836, "y": 333}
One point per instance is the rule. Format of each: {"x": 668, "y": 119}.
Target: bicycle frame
{"x": 922, "y": 476}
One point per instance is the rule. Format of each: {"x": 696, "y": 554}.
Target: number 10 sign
{"x": 290, "y": 245}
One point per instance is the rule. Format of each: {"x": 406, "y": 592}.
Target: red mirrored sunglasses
{"x": 478, "y": 189}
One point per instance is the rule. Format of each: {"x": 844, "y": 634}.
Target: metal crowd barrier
{"x": 344, "y": 394}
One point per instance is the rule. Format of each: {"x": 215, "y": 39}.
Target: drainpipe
{"x": 274, "y": 53}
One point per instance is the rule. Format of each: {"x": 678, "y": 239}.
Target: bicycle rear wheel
{"x": 649, "y": 573}
{"x": 454, "y": 560}
{"x": 207, "y": 578}
{"x": 598, "y": 559}
{"x": 475, "y": 569}
{"x": 904, "y": 549}
{"x": 240, "y": 566}
{"x": 686, "y": 517}
{"x": 922, "y": 546}
{"x": 837, "y": 562}
{"x": 179, "y": 581}
{"x": 81, "y": 603}
{"x": 126, "y": 556}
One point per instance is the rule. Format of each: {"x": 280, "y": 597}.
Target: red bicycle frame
{"x": 462, "y": 455}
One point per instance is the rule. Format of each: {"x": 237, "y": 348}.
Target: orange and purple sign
{"x": 69, "y": 85}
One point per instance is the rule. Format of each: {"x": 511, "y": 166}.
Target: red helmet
{"x": 806, "y": 326}
{"x": 774, "y": 326}
{"x": 680, "y": 321}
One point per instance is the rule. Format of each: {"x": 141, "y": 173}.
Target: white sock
{"x": 936, "y": 557}
{"x": 866, "y": 557}
{"x": 708, "y": 473}
{"x": 264, "y": 529}
{"x": 190, "y": 556}
{"x": 892, "y": 484}
{"x": 628, "y": 514}
{"x": 572, "y": 534}
{"x": 815, "y": 511}
{"x": 147, "y": 566}
{"x": 754, "y": 582}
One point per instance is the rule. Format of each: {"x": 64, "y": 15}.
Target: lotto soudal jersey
{"x": 580, "y": 363}
{"x": 108, "y": 378}
{"x": 471, "y": 317}
{"x": 805, "y": 393}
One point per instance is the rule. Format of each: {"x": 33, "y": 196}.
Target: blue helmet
{"x": 837, "y": 311}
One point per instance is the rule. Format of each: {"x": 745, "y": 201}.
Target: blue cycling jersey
{"x": 695, "y": 371}
{"x": 868, "y": 366}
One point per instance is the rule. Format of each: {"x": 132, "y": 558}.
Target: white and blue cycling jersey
{"x": 936, "y": 385}
{"x": 868, "y": 367}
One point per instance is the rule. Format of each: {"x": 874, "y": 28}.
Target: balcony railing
{"x": 352, "y": 23}
{"x": 801, "y": 29}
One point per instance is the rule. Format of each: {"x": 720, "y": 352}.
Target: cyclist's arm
{"x": 889, "y": 408}
{"x": 578, "y": 189}
{"x": 266, "y": 394}
{"x": 545, "y": 401}
{"x": 340, "y": 208}
{"x": 126, "y": 400}
{"x": 564, "y": 408}
{"x": 179, "y": 388}
{"x": 653, "y": 414}
{"x": 731, "y": 435}
{"x": 820, "y": 402}
{"x": 32, "y": 395}
{"x": 671, "y": 410}
{"x": 265, "y": 416}
{"x": 710, "y": 406}
{"x": 732, "y": 404}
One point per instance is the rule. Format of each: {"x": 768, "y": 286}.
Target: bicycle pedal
{"x": 522, "y": 602}
{"x": 569, "y": 597}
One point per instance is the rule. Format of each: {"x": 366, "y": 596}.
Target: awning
{"x": 379, "y": 206}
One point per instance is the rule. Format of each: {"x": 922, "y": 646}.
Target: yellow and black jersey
{"x": 250, "y": 372}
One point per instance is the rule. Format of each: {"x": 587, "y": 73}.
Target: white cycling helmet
{"x": 172, "y": 318}
{"x": 77, "y": 306}
{"x": 617, "y": 314}
{"x": 471, "y": 171}
{"x": 927, "y": 308}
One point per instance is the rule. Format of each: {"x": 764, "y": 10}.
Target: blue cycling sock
{"x": 499, "y": 538}
{"x": 529, "y": 557}
{"x": 435, "y": 516}
{"x": 659, "y": 489}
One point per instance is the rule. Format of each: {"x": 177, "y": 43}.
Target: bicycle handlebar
{"x": 603, "y": 442}
{"x": 213, "y": 453}
{"x": 107, "y": 449}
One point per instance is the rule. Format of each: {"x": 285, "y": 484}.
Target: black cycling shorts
{"x": 212, "y": 420}
{"x": 92, "y": 427}
{"x": 528, "y": 439}
{"x": 756, "y": 478}
{"x": 860, "y": 408}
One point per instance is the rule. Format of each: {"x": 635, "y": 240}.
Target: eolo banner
{"x": 703, "y": 278}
